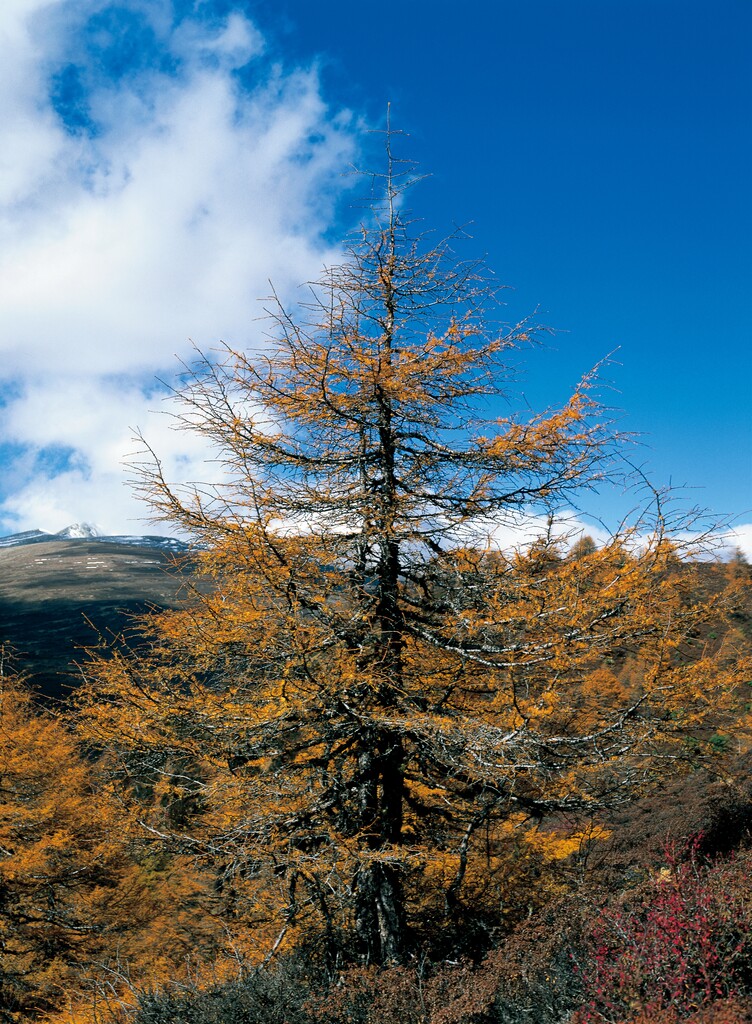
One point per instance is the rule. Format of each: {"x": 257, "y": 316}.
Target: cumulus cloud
{"x": 738, "y": 540}
{"x": 155, "y": 173}
{"x": 77, "y": 462}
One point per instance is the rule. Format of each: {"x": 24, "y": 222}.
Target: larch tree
{"x": 77, "y": 903}
{"x": 67, "y": 889}
{"x": 366, "y": 690}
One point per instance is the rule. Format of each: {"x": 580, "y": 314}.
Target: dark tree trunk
{"x": 379, "y": 900}
{"x": 379, "y": 913}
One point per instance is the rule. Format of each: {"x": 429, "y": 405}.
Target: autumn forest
{"x": 378, "y": 766}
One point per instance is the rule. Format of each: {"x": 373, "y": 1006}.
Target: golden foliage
{"x": 86, "y": 911}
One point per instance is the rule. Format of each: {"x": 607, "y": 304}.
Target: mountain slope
{"x": 57, "y": 595}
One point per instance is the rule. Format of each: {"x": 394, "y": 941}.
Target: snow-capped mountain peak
{"x": 79, "y": 531}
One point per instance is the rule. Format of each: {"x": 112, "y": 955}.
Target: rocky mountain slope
{"x": 58, "y": 593}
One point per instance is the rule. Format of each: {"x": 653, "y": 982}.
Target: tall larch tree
{"x": 367, "y": 691}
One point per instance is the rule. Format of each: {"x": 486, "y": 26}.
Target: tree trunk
{"x": 379, "y": 912}
{"x": 379, "y": 901}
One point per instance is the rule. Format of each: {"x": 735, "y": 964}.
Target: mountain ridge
{"x": 91, "y": 532}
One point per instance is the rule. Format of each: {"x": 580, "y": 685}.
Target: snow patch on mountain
{"x": 79, "y": 531}
{"x": 90, "y": 531}
{"x": 27, "y": 537}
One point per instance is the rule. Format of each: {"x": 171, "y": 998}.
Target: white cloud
{"x": 518, "y": 529}
{"x": 83, "y": 474}
{"x": 164, "y": 224}
{"x": 236, "y": 42}
{"x": 32, "y": 139}
{"x": 739, "y": 538}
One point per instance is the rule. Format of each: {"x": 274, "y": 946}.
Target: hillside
{"x": 56, "y": 595}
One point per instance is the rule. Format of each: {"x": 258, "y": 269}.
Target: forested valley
{"x": 377, "y": 766}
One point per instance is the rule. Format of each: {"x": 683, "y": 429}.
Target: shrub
{"x": 674, "y": 948}
{"x": 290, "y": 993}
{"x": 274, "y": 995}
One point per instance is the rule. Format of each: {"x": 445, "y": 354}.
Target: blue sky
{"x": 163, "y": 160}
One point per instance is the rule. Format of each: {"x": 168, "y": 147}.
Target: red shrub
{"x": 684, "y": 946}
{"x": 725, "y": 1011}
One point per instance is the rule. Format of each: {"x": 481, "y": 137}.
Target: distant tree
{"x": 582, "y": 547}
{"x": 368, "y": 697}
